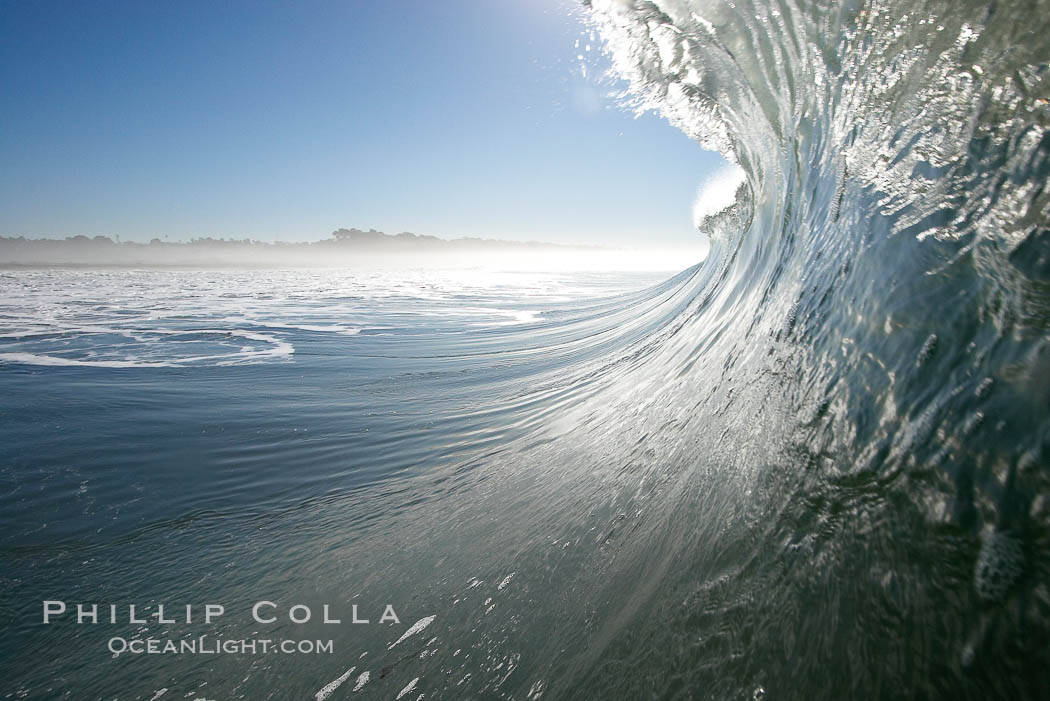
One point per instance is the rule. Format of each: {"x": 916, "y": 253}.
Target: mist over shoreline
{"x": 344, "y": 248}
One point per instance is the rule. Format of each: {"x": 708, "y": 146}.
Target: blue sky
{"x": 288, "y": 120}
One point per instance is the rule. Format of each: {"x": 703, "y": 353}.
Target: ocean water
{"x": 236, "y": 426}
{"x": 814, "y": 466}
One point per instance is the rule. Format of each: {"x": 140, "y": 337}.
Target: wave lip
{"x": 718, "y": 192}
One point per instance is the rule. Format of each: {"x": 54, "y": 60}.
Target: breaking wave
{"x": 843, "y": 464}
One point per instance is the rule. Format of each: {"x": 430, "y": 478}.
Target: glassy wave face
{"x": 855, "y": 504}
{"x": 813, "y": 467}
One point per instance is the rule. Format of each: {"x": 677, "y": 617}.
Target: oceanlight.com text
{"x": 205, "y": 645}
